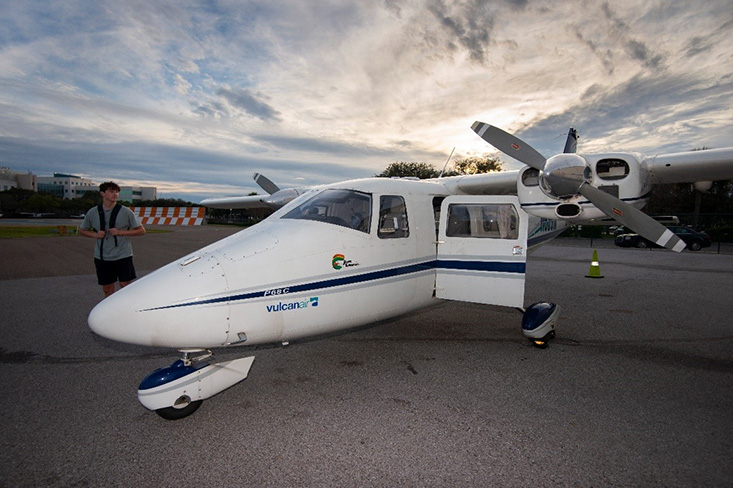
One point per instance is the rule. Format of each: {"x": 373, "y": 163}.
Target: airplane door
{"x": 482, "y": 250}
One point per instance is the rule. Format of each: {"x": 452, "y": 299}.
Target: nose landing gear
{"x": 177, "y": 391}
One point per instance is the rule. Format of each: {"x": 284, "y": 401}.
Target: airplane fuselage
{"x": 335, "y": 258}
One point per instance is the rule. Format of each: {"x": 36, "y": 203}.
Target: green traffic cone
{"x": 595, "y": 267}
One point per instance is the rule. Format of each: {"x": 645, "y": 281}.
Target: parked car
{"x": 693, "y": 239}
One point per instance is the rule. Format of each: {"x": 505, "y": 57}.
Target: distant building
{"x": 11, "y": 179}
{"x": 66, "y": 186}
{"x": 69, "y": 186}
{"x": 133, "y": 194}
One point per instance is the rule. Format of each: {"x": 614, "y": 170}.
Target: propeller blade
{"x": 509, "y": 144}
{"x": 632, "y": 218}
{"x": 265, "y": 183}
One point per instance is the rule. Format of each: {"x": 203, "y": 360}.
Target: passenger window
{"x": 347, "y": 208}
{"x": 392, "y": 218}
{"x": 484, "y": 221}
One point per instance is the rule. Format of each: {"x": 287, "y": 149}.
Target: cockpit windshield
{"x": 347, "y": 208}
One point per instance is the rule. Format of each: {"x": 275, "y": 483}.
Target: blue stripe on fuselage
{"x": 492, "y": 266}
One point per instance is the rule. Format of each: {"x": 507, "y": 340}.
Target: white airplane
{"x": 383, "y": 246}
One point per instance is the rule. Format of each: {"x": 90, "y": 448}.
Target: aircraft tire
{"x": 173, "y": 413}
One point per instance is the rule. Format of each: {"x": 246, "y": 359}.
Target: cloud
{"x": 469, "y": 24}
{"x": 605, "y": 56}
{"x": 634, "y": 47}
{"x": 211, "y": 92}
{"x": 249, "y": 103}
{"x": 182, "y": 86}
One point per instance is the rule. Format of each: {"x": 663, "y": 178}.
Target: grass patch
{"x": 18, "y": 231}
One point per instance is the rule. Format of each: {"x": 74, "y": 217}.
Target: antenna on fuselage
{"x": 446, "y": 162}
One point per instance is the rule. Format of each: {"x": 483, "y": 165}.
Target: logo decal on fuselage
{"x": 339, "y": 261}
{"x": 298, "y": 305}
{"x": 546, "y": 225}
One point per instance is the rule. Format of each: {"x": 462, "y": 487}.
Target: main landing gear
{"x": 177, "y": 391}
{"x": 538, "y": 323}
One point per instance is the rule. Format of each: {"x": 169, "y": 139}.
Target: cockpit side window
{"x": 347, "y": 208}
{"x": 392, "y": 218}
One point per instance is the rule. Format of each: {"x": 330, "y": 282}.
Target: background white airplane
{"x": 351, "y": 253}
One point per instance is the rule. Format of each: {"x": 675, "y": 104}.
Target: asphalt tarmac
{"x": 635, "y": 391}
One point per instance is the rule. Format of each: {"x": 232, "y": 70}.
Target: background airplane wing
{"x": 250, "y": 201}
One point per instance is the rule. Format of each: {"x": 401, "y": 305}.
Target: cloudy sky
{"x": 194, "y": 96}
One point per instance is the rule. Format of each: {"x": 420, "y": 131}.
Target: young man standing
{"x": 112, "y": 225}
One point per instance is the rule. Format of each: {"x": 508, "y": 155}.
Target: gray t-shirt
{"x": 125, "y": 220}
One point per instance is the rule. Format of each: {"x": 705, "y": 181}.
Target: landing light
{"x": 538, "y": 323}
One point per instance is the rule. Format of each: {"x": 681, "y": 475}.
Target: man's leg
{"x": 126, "y": 271}
{"x": 106, "y": 276}
{"x": 108, "y": 289}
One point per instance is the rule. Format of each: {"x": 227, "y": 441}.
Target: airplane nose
{"x": 104, "y": 318}
{"x": 180, "y": 305}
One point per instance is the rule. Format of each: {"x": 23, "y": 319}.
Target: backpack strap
{"x": 113, "y": 218}
{"x": 100, "y": 209}
{"x": 103, "y": 225}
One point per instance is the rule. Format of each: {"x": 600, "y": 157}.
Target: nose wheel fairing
{"x": 184, "y": 383}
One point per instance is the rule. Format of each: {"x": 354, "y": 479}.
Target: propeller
{"x": 566, "y": 175}
{"x": 265, "y": 183}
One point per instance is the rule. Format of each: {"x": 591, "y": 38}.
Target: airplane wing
{"x": 691, "y": 166}
{"x": 250, "y": 201}
{"x": 495, "y": 183}
{"x": 275, "y": 199}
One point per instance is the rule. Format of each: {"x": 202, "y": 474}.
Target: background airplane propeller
{"x": 265, "y": 183}
{"x": 566, "y": 175}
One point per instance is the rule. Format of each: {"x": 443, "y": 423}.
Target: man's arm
{"x": 137, "y": 231}
{"x": 95, "y": 234}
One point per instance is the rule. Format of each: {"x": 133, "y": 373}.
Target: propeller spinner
{"x": 563, "y": 175}
{"x": 566, "y": 175}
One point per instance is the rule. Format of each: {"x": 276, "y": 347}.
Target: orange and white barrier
{"x": 170, "y": 215}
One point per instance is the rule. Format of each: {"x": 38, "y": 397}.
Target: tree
{"x": 466, "y": 166}
{"x": 41, "y": 202}
{"x": 13, "y": 200}
{"x": 679, "y": 198}
{"x": 475, "y": 165}
{"x": 402, "y": 169}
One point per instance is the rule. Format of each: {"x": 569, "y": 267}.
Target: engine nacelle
{"x": 619, "y": 174}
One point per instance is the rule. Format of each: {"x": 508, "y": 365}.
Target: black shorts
{"x": 109, "y": 272}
